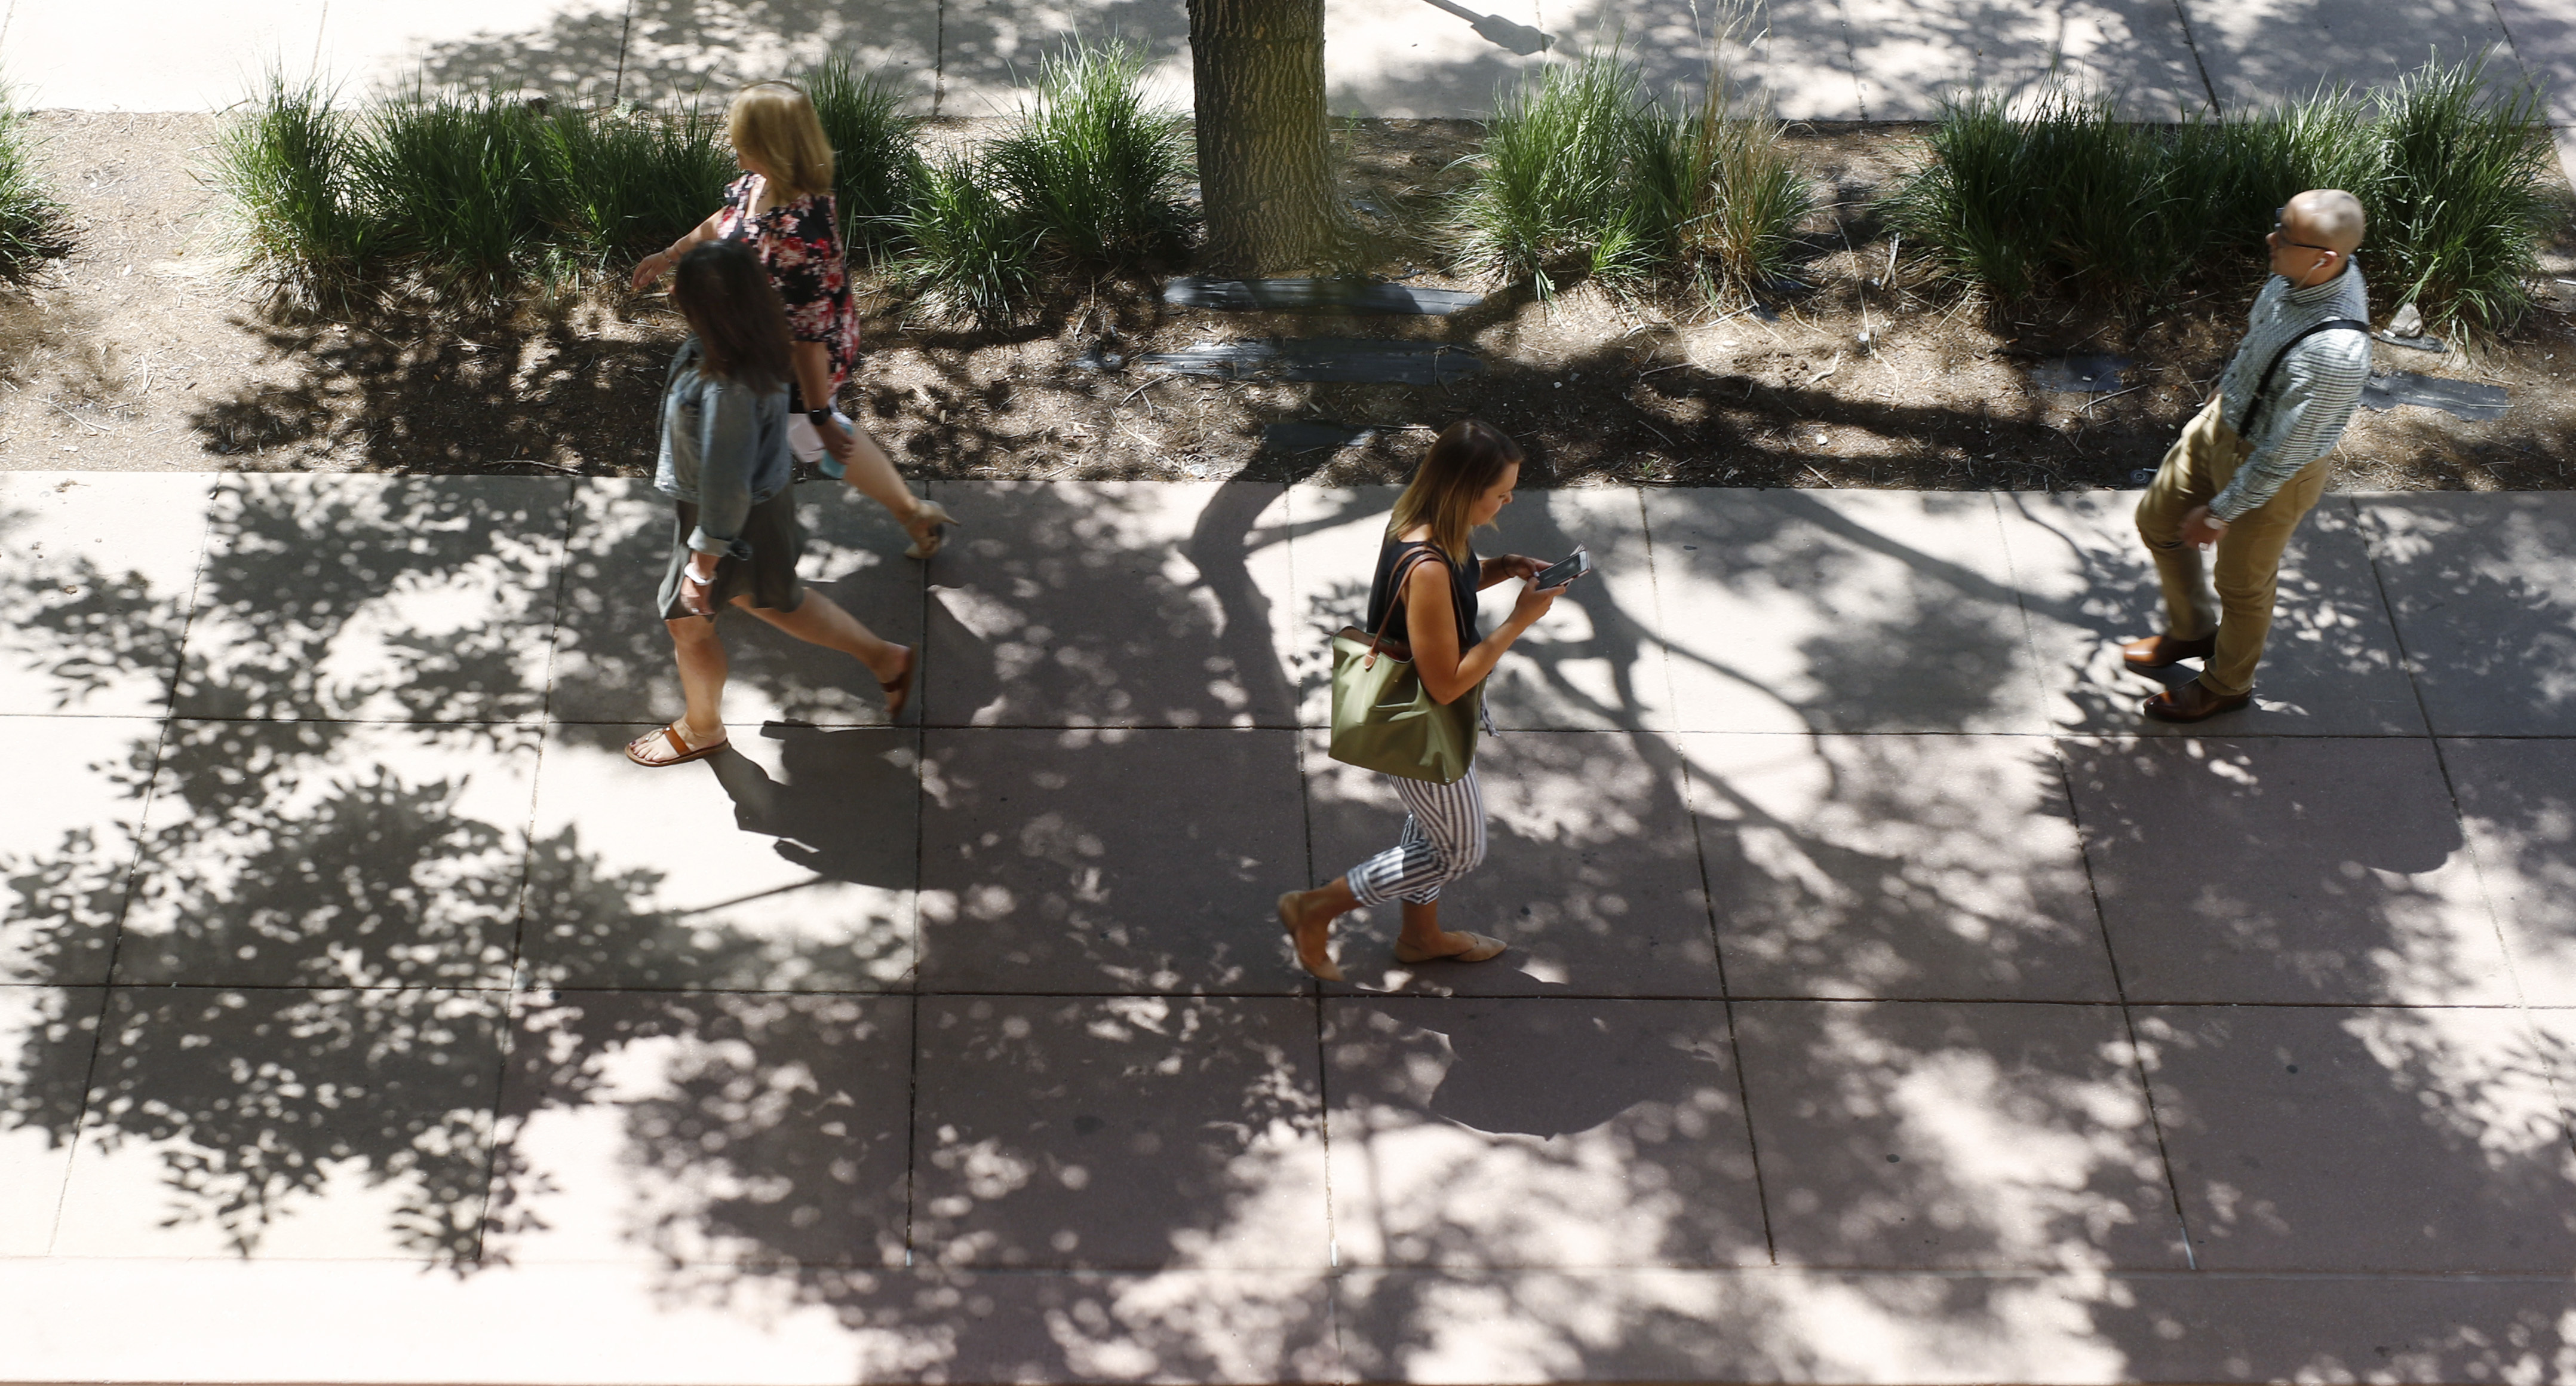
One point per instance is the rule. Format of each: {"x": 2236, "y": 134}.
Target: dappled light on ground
{"x": 1880, "y": 1005}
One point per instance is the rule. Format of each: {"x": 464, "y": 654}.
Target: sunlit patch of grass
{"x": 973, "y": 256}
{"x": 284, "y": 166}
{"x": 875, "y": 161}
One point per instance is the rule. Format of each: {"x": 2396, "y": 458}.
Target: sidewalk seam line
{"x": 2191, "y": 41}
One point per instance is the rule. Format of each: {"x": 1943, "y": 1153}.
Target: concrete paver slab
{"x": 184, "y": 59}
{"x": 1130, "y": 1133}
{"x": 1192, "y": 1325}
{"x": 299, "y": 1124}
{"x": 2484, "y": 589}
{"x": 1537, "y": 1131}
{"x": 1987, "y": 1137}
{"x": 1839, "y": 611}
{"x": 2285, "y": 870}
{"x": 99, "y": 567}
{"x": 52, "y": 1032}
{"x": 787, "y": 863}
{"x": 1894, "y": 866}
{"x": 2283, "y": 1122}
{"x": 1591, "y": 870}
{"x": 1414, "y": 60}
{"x": 564, "y": 48}
{"x": 1109, "y": 861}
{"x": 70, "y": 849}
{"x": 704, "y": 1128}
{"x": 1594, "y": 663}
{"x": 1724, "y": 1326}
{"x": 329, "y": 854}
{"x": 1909, "y": 57}
{"x": 1084, "y": 605}
{"x": 2260, "y": 51}
{"x": 2518, "y": 807}
{"x": 2330, "y": 668}
{"x": 2182, "y": 1328}
{"x": 375, "y": 598}
{"x": 612, "y": 652}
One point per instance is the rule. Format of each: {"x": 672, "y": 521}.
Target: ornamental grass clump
{"x": 284, "y": 166}
{"x": 1581, "y": 175}
{"x": 874, "y": 155}
{"x": 972, "y": 256}
{"x": 1097, "y": 169}
{"x": 34, "y": 227}
{"x": 622, "y": 183}
{"x": 2457, "y": 212}
{"x": 1739, "y": 197}
{"x": 2060, "y": 197}
{"x": 456, "y": 183}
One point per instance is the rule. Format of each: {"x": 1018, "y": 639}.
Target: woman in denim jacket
{"x": 724, "y": 463}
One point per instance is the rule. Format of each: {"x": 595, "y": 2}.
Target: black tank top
{"x": 1462, "y": 592}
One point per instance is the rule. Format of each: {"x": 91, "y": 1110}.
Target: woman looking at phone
{"x": 735, "y": 539}
{"x": 782, "y": 207}
{"x": 1463, "y": 483}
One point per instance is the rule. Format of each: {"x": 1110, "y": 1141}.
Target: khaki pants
{"x": 2197, "y": 467}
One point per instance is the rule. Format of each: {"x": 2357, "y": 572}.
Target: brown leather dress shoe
{"x": 2162, "y": 651}
{"x": 2192, "y": 702}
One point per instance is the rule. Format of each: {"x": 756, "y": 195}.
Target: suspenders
{"x": 2263, "y": 388}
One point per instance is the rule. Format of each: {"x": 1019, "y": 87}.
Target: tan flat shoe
{"x": 1482, "y": 950}
{"x": 1328, "y": 970}
{"x": 928, "y": 528}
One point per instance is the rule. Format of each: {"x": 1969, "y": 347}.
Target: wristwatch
{"x": 819, "y": 417}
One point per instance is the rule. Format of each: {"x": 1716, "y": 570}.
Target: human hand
{"x": 1533, "y": 603}
{"x": 651, "y": 268}
{"x": 2200, "y": 529}
{"x": 697, "y": 595}
{"x": 841, "y": 443}
{"x": 1519, "y": 565}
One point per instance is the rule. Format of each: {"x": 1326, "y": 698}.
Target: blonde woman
{"x": 782, "y": 207}
{"x": 1464, "y": 482}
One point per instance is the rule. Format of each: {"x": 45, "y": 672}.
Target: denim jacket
{"x": 724, "y": 447}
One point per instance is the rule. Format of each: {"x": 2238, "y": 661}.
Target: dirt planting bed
{"x": 141, "y": 354}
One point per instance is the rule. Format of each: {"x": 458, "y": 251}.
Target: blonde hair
{"x": 1464, "y": 462}
{"x": 773, "y": 125}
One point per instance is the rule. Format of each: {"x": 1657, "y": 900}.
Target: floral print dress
{"x": 799, "y": 243}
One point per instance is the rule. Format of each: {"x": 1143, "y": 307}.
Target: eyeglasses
{"x": 2278, "y": 239}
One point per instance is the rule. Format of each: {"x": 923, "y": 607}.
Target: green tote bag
{"x": 1385, "y": 720}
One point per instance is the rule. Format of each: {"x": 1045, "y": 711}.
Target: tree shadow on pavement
{"x": 1555, "y": 1182}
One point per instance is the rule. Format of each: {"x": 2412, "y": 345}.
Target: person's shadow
{"x": 845, "y": 805}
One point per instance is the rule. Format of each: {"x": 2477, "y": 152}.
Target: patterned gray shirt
{"x": 2313, "y": 394}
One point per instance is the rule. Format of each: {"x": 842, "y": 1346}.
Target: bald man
{"x": 2252, "y": 462}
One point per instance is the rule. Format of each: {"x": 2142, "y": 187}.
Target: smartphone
{"x": 1576, "y": 564}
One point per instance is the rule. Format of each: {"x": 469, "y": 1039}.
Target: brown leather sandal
{"x": 899, "y": 692}
{"x": 681, "y": 751}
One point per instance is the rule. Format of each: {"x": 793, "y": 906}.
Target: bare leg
{"x": 1308, "y": 916}
{"x": 871, "y": 473}
{"x": 701, "y": 655}
{"x": 819, "y": 620}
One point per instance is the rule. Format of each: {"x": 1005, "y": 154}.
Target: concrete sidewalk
{"x": 1819, "y": 59}
{"x": 1886, "y": 1002}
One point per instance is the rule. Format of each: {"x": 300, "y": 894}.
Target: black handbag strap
{"x": 1395, "y": 595}
{"x": 2263, "y": 387}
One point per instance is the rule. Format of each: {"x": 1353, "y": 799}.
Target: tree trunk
{"x": 1265, "y": 161}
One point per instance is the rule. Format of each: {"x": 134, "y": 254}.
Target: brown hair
{"x": 773, "y": 125}
{"x": 1464, "y": 462}
{"x": 722, "y": 290}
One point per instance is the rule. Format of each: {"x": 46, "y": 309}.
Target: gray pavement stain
{"x": 1857, "y": 998}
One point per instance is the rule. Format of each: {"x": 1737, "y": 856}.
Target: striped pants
{"x": 1444, "y": 839}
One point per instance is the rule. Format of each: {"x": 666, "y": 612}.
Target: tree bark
{"x": 1265, "y": 158}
